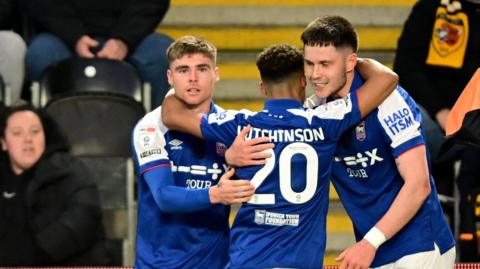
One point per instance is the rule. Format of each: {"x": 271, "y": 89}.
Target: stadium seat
{"x": 98, "y": 127}
{"x": 81, "y": 75}
{"x": 97, "y": 110}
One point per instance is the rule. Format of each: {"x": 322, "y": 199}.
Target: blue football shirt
{"x": 178, "y": 240}
{"x": 283, "y": 225}
{"x": 366, "y": 178}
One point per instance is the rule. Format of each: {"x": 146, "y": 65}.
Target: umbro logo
{"x": 175, "y": 144}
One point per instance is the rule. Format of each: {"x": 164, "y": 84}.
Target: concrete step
{"x": 285, "y": 12}
{"x": 176, "y": 3}
{"x": 242, "y": 28}
{"x": 256, "y": 37}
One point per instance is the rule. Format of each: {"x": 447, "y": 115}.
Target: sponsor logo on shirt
{"x": 147, "y": 135}
{"x": 200, "y": 170}
{"x": 175, "y": 144}
{"x": 151, "y": 152}
{"x": 263, "y": 217}
{"x": 147, "y": 129}
{"x": 399, "y": 120}
{"x": 198, "y": 184}
{"x": 364, "y": 159}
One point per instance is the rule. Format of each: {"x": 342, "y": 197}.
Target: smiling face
{"x": 328, "y": 69}
{"x": 24, "y": 140}
{"x": 193, "y": 76}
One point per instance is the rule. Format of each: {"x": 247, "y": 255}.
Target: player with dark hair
{"x": 283, "y": 225}
{"x": 381, "y": 172}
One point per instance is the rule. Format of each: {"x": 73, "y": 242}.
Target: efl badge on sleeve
{"x": 449, "y": 39}
{"x": 360, "y": 131}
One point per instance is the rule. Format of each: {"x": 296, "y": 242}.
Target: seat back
{"x": 91, "y": 75}
{"x": 115, "y": 180}
{"x": 98, "y": 126}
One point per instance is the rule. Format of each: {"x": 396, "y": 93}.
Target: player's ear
{"x": 169, "y": 77}
{"x": 303, "y": 81}
{"x": 263, "y": 88}
{"x": 217, "y": 74}
{"x": 4, "y": 144}
{"x": 351, "y": 61}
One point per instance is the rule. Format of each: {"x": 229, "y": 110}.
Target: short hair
{"x": 330, "y": 30}
{"x": 278, "y": 62}
{"x": 188, "y": 45}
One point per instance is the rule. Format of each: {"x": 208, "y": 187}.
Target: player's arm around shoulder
{"x": 380, "y": 81}
{"x": 177, "y": 116}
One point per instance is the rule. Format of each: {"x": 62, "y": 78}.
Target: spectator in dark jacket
{"x": 438, "y": 53}
{"x": 436, "y": 60}
{"x": 12, "y": 51}
{"x": 112, "y": 29}
{"x": 49, "y": 207}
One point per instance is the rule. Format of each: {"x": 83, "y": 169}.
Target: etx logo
{"x": 364, "y": 159}
{"x": 215, "y": 170}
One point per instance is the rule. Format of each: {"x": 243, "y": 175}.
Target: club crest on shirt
{"x": 221, "y": 148}
{"x": 259, "y": 217}
{"x": 360, "y": 131}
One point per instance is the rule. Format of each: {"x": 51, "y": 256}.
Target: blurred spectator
{"x": 438, "y": 52}
{"x": 49, "y": 207}
{"x": 12, "y": 50}
{"x": 113, "y": 29}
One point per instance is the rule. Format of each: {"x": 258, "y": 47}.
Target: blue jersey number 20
{"x": 285, "y": 175}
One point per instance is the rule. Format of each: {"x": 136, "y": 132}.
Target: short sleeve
{"x": 221, "y": 127}
{"x": 400, "y": 119}
{"x": 338, "y": 115}
{"x": 149, "y": 147}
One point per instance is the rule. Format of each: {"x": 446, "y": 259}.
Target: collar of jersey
{"x": 282, "y": 104}
{"x": 213, "y": 109}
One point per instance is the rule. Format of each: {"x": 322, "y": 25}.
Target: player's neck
{"x": 203, "y": 108}
{"x": 286, "y": 91}
{"x": 286, "y": 95}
